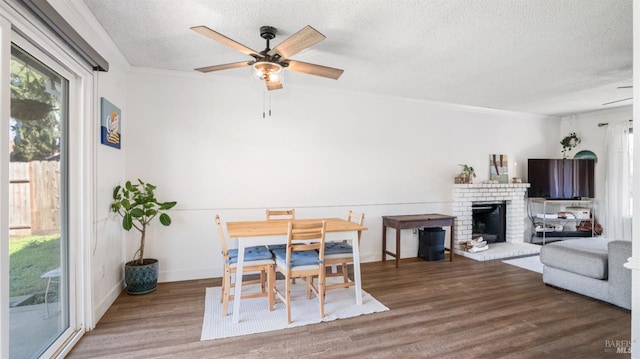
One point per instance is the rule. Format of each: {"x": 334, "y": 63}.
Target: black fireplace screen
{"x": 489, "y": 221}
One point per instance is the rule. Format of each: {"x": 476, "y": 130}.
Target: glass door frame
{"x": 25, "y": 31}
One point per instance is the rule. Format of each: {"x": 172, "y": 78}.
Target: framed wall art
{"x": 499, "y": 168}
{"x": 110, "y": 119}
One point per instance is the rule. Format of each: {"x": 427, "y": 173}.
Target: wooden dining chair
{"x": 274, "y": 214}
{"x": 256, "y": 259}
{"x": 303, "y": 257}
{"x": 341, "y": 253}
{"x": 281, "y": 214}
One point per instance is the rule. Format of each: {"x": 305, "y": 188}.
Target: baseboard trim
{"x": 101, "y": 308}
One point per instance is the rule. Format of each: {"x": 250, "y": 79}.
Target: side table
{"x": 414, "y": 221}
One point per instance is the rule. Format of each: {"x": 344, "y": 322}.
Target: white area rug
{"x": 531, "y": 263}
{"x": 255, "y": 316}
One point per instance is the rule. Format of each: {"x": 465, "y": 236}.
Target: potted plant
{"x": 138, "y": 206}
{"x": 569, "y": 142}
{"x": 468, "y": 173}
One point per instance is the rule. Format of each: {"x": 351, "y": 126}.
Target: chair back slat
{"x": 281, "y": 214}
{"x": 355, "y": 217}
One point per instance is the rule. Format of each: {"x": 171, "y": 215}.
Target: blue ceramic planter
{"x": 141, "y": 279}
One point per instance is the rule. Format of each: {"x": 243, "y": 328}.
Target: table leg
{"x": 237, "y": 293}
{"x": 356, "y": 267}
{"x": 453, "y": 230}
{"x": 384, "y": 242}
{"x": 397, "y": 247}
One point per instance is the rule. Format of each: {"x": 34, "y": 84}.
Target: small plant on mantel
{"x": 569, "y": 142}
{"x": 468, "y": 173}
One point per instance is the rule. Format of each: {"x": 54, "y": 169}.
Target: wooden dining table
{"x": 254, "y": 233}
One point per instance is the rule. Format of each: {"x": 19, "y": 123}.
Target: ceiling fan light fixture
{"x": 268, "y": 64}
{"x": 267, "y": 71}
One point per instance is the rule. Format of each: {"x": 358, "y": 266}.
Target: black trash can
{"x": 431, "y": 244}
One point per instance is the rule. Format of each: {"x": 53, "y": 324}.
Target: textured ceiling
{"x": 538, "y": 56}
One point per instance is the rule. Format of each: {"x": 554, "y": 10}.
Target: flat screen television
{"x": 561, "y": 178}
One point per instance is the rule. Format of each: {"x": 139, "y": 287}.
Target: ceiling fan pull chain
{"x": 269, "y": 103}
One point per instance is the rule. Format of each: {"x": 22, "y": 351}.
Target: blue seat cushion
{"x": 298, "y": 258}
{"x": 337, "y": 248}
{"x": 277, "y": 246}
{"x": 250, "y": 254}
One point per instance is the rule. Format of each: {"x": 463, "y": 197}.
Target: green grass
{"x": 29, "y": 258}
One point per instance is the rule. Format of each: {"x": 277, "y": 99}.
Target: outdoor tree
{"x": 35, "y": 125}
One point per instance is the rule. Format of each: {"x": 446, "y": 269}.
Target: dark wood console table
{"x": 414, "y": 221}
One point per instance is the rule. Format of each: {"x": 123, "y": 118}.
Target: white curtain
{"x": 618, "y": 195}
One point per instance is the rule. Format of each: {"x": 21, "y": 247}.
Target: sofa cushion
{"x": 585, "y": 256}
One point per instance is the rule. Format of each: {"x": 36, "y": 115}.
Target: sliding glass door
{"x": 46, "y": 190}
{"x": 38, "y": 206}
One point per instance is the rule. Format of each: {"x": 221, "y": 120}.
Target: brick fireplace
{"x": 466, "y": 195}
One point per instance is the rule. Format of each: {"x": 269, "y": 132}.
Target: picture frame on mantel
{"x": 499, "y": 168}
{"x": 110, "y": 121}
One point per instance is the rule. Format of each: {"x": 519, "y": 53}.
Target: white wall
{"x": 105, "y": 248}
{"x": 203, "y": 141}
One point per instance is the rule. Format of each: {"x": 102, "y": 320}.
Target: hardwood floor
{"x": 459, "y": 309}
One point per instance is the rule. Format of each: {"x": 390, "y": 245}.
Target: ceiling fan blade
{"x": 224, "y": 66}
{"x": 625, "y": 87}
{"x": 624, "y": 99}
{"x": 297, "y": 42}
{"x": 226, "y": 41}
{"x": 273, "y": 84}
{"x": 313, "y": 69}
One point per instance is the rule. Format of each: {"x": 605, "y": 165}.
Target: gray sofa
{"x": 591, "y": 267}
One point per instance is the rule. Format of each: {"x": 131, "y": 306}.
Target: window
{"x": 618, "y": 180}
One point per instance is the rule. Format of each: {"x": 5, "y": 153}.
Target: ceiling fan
{"x": 624, "y": 99}
{"x": 269, "y": 63}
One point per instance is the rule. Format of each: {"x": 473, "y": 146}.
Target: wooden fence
{"x": 34, "y": 198}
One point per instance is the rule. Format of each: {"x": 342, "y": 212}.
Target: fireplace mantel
{"x": 472, "y": 186}
{"x": 464, "y": 195}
